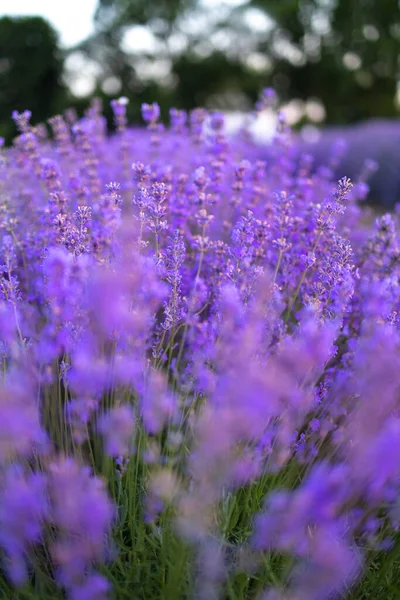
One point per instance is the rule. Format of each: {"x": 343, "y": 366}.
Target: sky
{"x": 73, "y": 19}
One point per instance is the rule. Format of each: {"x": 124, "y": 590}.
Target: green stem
{"x": 303, "y": 276}
{"x": 278, "y": 264}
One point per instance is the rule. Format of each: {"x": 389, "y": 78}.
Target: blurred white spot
{"x": 82, "y": 87}
{"x": 281, "y": 45}
{"x": 320, "y": 22}
{"x": 351, "y": 61}
{"x": 310, "y": 134}
{"x": 217, "y": 3}
{"x": 221, "y": 39}
{"x": 370, "y": 33}
{"x": 139, "y": 39}
{"x": 257, "y": 62}
{"x": 312, "y": 45}
{"x": 81, "y": 74}
{"x": 293, "y": 111}
{"x": 233, "y": 122}
{"x": 177, "y": 43}
{"x": 315, "y": 111}
{"x": 111, "y": 86}
{"x": 257, "y": 20}
{"x": 148, "y": 69}
{"x": 264, "y": 127}
{"x": 203, "y": 49}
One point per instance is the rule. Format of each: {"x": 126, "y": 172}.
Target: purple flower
{"x": 20, "y": 427}
{"x": 157, "y": 405}
{"x": 252, "y": 351}
{"x": 117, "y": 427}
{"x": 23, "y": 510}
{"x": 150, "y": 112}
{"x": 82, "y": 515}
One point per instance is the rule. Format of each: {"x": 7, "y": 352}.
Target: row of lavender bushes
{"x": 375, "y": 140}
{"x": 200, "y": 358}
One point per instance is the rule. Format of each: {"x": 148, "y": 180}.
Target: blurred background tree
{"x": 342, "y": 54}
{"x": 334, "y": 60}
{"x": 31, "y": 69}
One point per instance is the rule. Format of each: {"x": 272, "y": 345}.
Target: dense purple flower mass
{"x": 199, "y": 363}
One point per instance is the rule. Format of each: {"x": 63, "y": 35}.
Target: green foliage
{"x": 322, "y": 33}
{"x": 30, "y": 70}
{"x": 345, "y": 52}
{"x": 200, "y": 80}
{"x": 125, "y": 12}
{"x": 365, "y": 30}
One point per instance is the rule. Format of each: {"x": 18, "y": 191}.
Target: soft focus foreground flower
{"x": 82, "y": 515}
{"x": 23, "y": 510}
{"x": 199, "y": 358}
{"x": 20, "y": 428}
{"x": 117, "y": 427}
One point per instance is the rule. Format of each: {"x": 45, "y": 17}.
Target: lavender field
{"x": 200, "y": 352}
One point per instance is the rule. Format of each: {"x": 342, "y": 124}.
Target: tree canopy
{"x": 343, "y": 53}
{"x": 216, "y": 54}
{"x": 31, "y": 69}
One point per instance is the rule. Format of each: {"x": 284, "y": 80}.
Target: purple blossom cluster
{"x": 196, "y": 345}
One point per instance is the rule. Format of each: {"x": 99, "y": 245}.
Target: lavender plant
{"x": 199, "y": 393}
